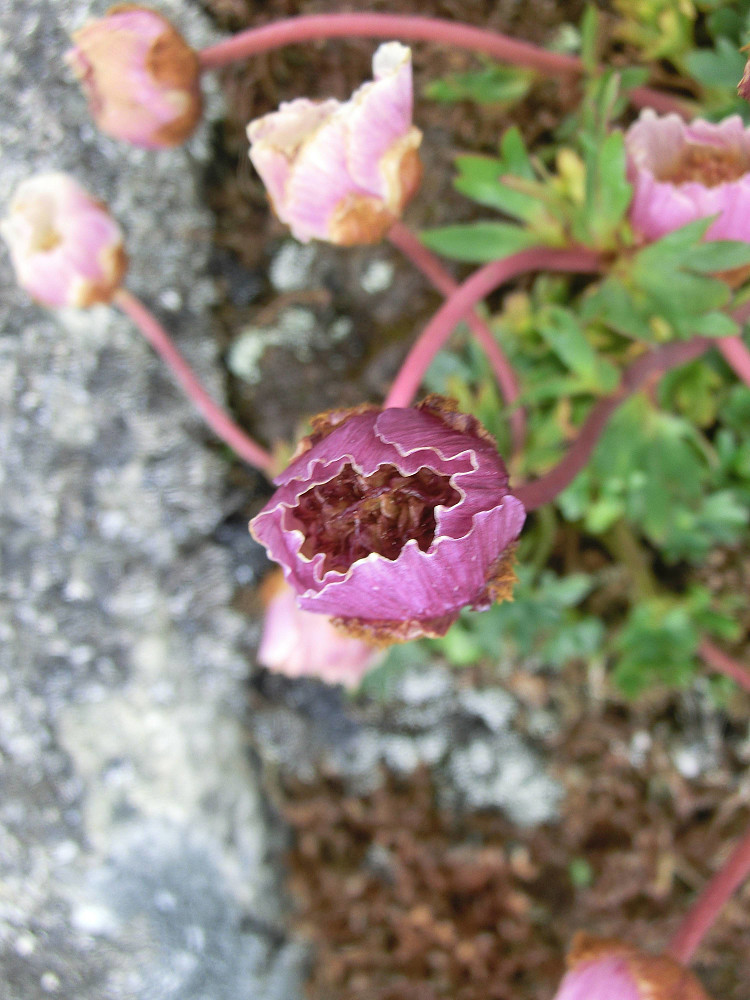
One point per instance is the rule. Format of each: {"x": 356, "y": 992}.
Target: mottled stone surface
{"x": 467, "y": 737}
{"x": 136, "y": 855}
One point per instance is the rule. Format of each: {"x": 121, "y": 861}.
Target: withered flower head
{"x": 606, "y": 969}
{"x": 392, "y": 521}
{"x": 343, "y": 172}
{"x": 141, "y": 77}
{"x": 67, "y": 250}
{"x": 683, "y": 172}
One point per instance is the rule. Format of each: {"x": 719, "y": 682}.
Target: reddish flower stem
{"x": 708, "y": 905}
{"x": 433, "y": 270}
{"x": 219, "y": 421}
{"x": 722, "y": 663}
{"x": 297, "y": 30}
{"x": 736, "y": 355}
{"x": 460, "y": 303}
{"x": 654, "y": 363}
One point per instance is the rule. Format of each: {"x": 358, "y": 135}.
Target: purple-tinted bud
{"x": 302, "y": 644}
{"x": 66, "y": 248}
{"x": 392, "y": 521}
{"x": 681, "y": 173}
{"x": 606, "y": 969}
{"x": 141, "y": 77}
{"x": 343, "y": 172}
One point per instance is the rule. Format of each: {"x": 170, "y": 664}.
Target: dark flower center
{"x": 351, "y": 515}
{"x": 708, "y": 165}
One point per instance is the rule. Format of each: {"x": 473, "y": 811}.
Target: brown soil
{"x": 403, "y": 901}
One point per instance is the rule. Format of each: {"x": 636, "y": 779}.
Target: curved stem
{"x": 219, "y": 421}
{"x": 296, "y": 30}
{"x": 706, "y": 908}
{"x": 736, "y": 355}
{"x": 722, "y": 663}
{"x": 460, "y": 303}
{"x": 433, "y": 270}
{"x": 547, "y": 487}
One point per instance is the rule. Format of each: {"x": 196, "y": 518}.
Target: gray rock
{"x": 136, "y": 855}
{"x": 465, "y": 736}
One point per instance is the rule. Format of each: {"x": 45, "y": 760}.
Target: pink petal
{"x": 318, "y": 182}
{"x": 113, "y": 59}
{"x": 419, "y": 585}
{"x": 66, "y": 248}
{"x": 366, "y": 442}
{"x": 343, "y": 172}
{"x": 300, "y": 644}
{"x": 653, "y": 143}
{"x": 276, "y": 139}
{"x": 654, "y": 146}
{"x": 378, "y": 115}
{"x": 603, "y": 979}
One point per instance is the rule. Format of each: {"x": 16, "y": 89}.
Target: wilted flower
{"x": 141, "y": 77}
{"x": 393, "y": 520}
{"x": 605, "y": 969}
{"x": 302, "y": 644}
{"x": 682, "y": 172}
{"x": 343, "y": 172}
{"x": 66, "y": 248}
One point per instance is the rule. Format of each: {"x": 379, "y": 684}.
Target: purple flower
{"x": 343, "y": 172}
{"x": 302, "y": 644}
{"x": 141, "y": 77}
{"x": 66, "y": 248}
{"x": 391, "y": 521}
{"x": 606, "y": 969}
{"x": 682, "y": 172}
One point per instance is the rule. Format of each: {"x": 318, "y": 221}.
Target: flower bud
{"x": 681, "y": 173}
{"x": 141, "y": 77}
{"x": 605, "y": 969}
{"x": 66, "y": 248}
{"x": 343, "y": 172}
{"x": 302, "y": 644}
{"x": 392, "y": 521}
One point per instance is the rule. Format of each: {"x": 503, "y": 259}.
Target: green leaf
{"x": 479, "y": 179}
{"x": 590, "y": 24}
{"x": 693, "y": 389}
{"x": 608, "y": 192}
{"x": 562, "y": 331}
{"x": 721, "y": 67}
{"x": 657, "y": 644}
{"x": 717, "y": 255}
{"x": 491, "y": 85}
{"x": 515, "y": 157}
{"x": 478, "y": 242}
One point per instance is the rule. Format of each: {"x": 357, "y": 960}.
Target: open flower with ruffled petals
{"x": 343, "y": 172}
{"x": 605, "y": 969}
{"x": 299, "y": 643}
{"x": 66, "y": 248}
{"x": 141, "y": 77}
{"x": 683, "y": 172}
{"x": 391, "y": 521}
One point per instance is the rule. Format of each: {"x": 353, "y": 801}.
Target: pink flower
{"x": 66, "y": 248}
{"x": 343, "y": 172}
{"x": 605, "y": 969}
{"x": 302, "y": 644}
{"x": 141, "y": 77}
{"x": 391, "y": 521}
{"x": 681, "y": 173}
